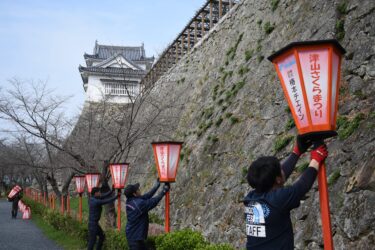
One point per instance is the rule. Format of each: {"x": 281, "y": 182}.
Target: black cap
{"x": 130, "y": 190}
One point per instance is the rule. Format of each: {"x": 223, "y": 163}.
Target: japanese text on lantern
{"x": 295, "y": 95}
{"x": 162, "y": 160}
{"x": 315, "y": 75}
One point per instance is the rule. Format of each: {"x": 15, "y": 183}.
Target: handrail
{"x": 203, "y": 21}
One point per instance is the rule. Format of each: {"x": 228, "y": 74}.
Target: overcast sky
{"x": 46, "y": 39}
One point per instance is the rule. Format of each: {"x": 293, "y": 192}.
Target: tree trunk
{"x": 109, "y": 209}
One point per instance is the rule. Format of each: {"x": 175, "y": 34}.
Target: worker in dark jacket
{"x": 15, "y": 201}
{"x": 137, "y": 207}
{"x": 268, "y": 206}
{"x": 96, "y": 201}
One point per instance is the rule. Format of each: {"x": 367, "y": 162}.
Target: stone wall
{"x": 225, "y": 102}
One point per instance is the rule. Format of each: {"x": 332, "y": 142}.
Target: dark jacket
{"x": 15, "y": 201}
{"x": 267, "y": 215}
{"x": 95, "y": 207}
{"x": 137, "y": 214}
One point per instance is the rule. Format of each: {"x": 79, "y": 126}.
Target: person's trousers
{"x": 14, "y": 213}
{"x": 95, "y": 231}
{"x": 137, "y": 245}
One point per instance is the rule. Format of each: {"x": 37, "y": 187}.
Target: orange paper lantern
{"x": 119, "y": 172}
{"x": 92, "y": 180}
{"x": 80, "y": 183}
{"x": 167, "y": 157}
{"x": 310, "y": 74}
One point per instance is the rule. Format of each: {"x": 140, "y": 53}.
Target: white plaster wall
{"x": 96, "y": 92}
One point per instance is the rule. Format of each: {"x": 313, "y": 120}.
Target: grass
{"x": 248, "y": 55}
{"x": 243, "y": 70}
{"x": 340, "y": 29}
{"x": 231, "y": 53}
{"x": 290, "y": 124}
{"x": 218, "y": 121}
{"x": 332, "y": 178}
{"x": 74, "y": 204}
{"x": 281, "y": 142}
{"x": 268, "y": 28}
{"x": 274, "y": 4}
{"x": 342, "y": 8}
{"x": 61, "y": 238}
{"x": 346, "y": 127}
{"x": 234, "y": 120}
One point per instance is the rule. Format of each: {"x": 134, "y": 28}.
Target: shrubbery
{"x": 177, "y": 240}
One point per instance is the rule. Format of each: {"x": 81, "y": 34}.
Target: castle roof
{"x": 133, "y": 53}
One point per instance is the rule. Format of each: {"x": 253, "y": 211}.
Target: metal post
{"x": 211, "y": 14}
{"x": 203, "y": 20}
{"x": 62, "y": 204}
{"x": 119, "y": 210}
{"x": 167, "y": 227}
{"x": 182, "y": 45}
{"x": 68, "y": 204}
{"x": 188, "y": 38}
{"x": 80, "y": 208}
{"x": 220, "y": 8}
{"x": 195, "y": 32}
{"x": 324, "y": 208}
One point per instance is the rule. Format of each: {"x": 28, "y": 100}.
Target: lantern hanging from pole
{"x": 310, "y": 74}
{"x": 92, "y": 180}
{"x": 15, "y": 190}
{"x": 80, "y": 183}
{"x": 167, "y": 156}
{"x": 119, "y": 173}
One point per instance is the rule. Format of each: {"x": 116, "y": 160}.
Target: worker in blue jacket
{"x": 137, "y": 207}
{"x": 96, "y": 201}
{"x": 268, "y": 206}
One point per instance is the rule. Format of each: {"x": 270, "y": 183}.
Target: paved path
{"x": 18, "y": 234}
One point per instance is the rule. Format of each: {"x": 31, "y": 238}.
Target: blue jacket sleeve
{"x": 291, "y": 196}
{"x": 151, "y": 203}
{"x": 289, "y": 164}
{"x": 105, "y": 195}
{"x": 151, "y": 193}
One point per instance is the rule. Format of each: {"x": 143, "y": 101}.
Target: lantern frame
{"x": 114, "y": 182}
{"x": 173, "y": 175}
{"x": 90, "y": 187}
{"x": 80, "y": 189}
{"x": 327, "y": 128}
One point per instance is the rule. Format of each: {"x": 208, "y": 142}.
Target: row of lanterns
{"x": 309, "y": 73}
{"x": 25, "y": 210}
{"x": 167, "y": 156}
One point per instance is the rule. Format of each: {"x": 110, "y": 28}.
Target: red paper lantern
{"x": 92, "y": 180}
{"x": 15, "y": 190}
{"x": 310, "y": 74}
{"x": 80, "y": 183}
{"x": 167, "y": 157}
{"x": 119, "y": 172}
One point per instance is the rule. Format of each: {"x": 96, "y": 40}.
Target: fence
{"x": 50, "y": 201}
{"x": 204, "y": 20}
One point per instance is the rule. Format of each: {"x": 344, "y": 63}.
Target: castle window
{"x": 120, "y": 89}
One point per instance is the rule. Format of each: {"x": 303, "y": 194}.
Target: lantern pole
{"x": 68, "y": 204}
{"x": 324, "y": 208}
{"x": 119, "y": 210}
{"x": 80, "y": 207}
{"x": 167, "y": 225}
